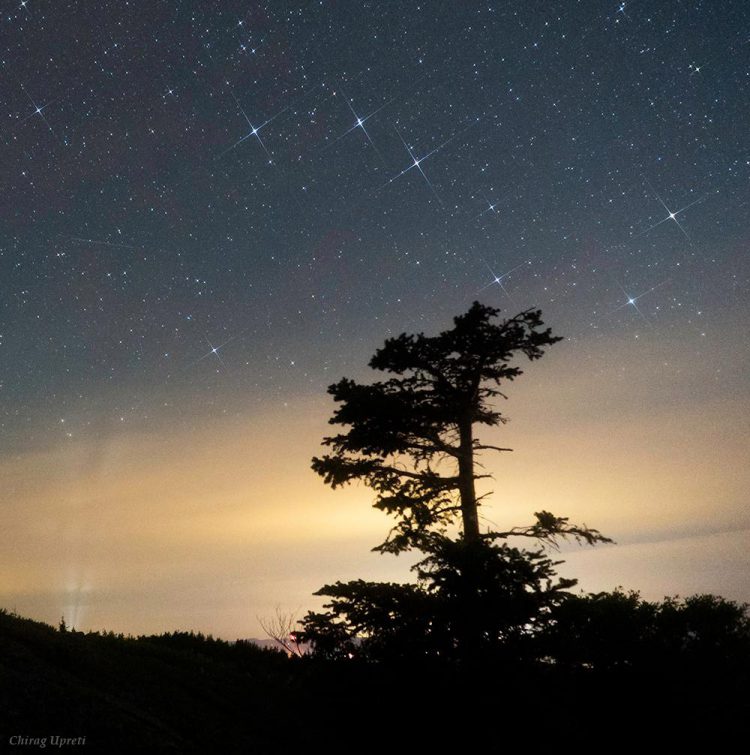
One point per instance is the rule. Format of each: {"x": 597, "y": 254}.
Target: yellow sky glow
{"x": 210, "y": 528}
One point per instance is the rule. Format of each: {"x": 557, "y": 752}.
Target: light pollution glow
{"x": 211, "y": 528}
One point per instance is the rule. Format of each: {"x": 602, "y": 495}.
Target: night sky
{"x": 211, "y": 211}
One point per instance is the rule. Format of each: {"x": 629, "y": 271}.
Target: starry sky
{"x": 210, "y": 211}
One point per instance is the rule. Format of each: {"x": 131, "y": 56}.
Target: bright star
{"x": 38, "y": 109}
{"x": 254, "y": 130}
{"x": 671, "y": 214}
{"x": 632, "y": 301}
{"x": 360, "y": 123}
{"x": 214, "y": 351}
{"x": 417, "y": 162}
{"x": 499, "y": 279}
{"x": 490, "y": 208}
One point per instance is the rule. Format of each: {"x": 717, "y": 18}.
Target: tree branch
{"x": 421, "y": 476}
{"x": 436, "y": 447}
{"x": 549, "y": 528}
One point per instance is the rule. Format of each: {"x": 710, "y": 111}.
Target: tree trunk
{"x": 469, "y": 631}
{"x": 469, "y": 512}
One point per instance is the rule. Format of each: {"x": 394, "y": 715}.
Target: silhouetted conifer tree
{"x": 412, "y": 439}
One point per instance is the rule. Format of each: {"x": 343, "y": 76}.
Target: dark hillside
{"x": 177, "y": 692}
{"x": 188, "y": 693}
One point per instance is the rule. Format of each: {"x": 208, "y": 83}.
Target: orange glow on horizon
{"x": 210, "y": 528}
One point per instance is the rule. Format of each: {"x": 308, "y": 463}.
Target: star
{"x": 214, "y": 351}
{"x": 490, "y": 208}
{"x": 254, "y": 130}
{"x": 38, "y": 109}
{"x": 417, "y": 161}
{"x": 360, "y": 123}
{"x": 632, "y": 301}
{"x": 499, "y": 279}
{"x": 671, "y": 214}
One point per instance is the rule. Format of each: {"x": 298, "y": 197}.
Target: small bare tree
{"x": 280, "y": 628}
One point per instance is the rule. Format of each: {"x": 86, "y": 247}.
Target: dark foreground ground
{"x": 184, "y": 693}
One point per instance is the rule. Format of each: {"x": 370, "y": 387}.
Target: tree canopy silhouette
{"x": 404, "y": 431}
{"x": 412, "y": 439}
